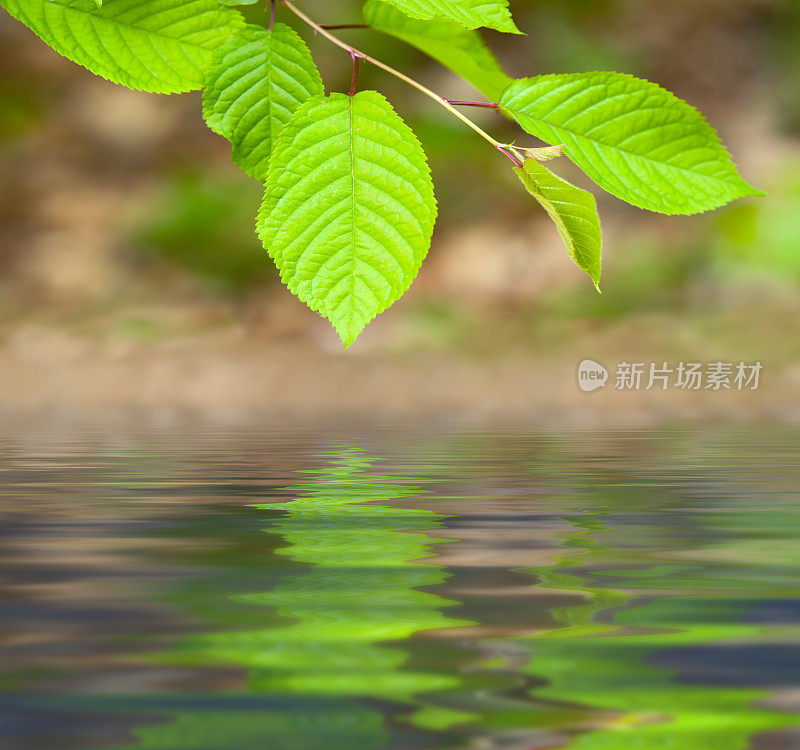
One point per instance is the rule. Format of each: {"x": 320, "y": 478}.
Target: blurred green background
{"x": 127, "y": 234}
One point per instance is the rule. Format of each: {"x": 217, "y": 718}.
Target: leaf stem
{"x": 397, "y": 74}
{"x": 333, "y": 26}
{"x": 458, "y": 103}
{"x": 355, "y": 56}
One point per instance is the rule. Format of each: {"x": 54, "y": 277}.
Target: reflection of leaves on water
{"x": 343, "y": 726}
{"x": 356, "y": 584}
{"x": 603, "y": 657}
{"x": 361, "y": 588}
{"x": 669, "y": 577}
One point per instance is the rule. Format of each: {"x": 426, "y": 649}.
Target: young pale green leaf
{"x": 164, "y": 46}
{"x": 256, "y": 82}
{"x": 574, "y": 212}
{"x": 471, "y": 14}
{"x": 633, "y": 138}
{"x": 457, "y": 48}
{"x": 348, "y": 210}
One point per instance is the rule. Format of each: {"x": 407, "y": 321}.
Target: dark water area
{"x": 379, "y": 587}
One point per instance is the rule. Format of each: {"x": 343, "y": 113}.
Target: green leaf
{"x": 457, "y": 48}
{"x": 348, "y": 210}
{"x": 164, "y": 46}
{"x": 257, "y": 81}
{"x": 493, "y": 14}
{"x": 574, "y": 212}
{"x": 633, "y": 138}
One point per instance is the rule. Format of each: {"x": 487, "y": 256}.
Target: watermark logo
{"x": 685, "y": 376}
{"x": 591, "y": 375}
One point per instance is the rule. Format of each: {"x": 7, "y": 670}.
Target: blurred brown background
{"x": 131, "y": 281}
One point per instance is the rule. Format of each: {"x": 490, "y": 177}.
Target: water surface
{"x": 381, "y": 587}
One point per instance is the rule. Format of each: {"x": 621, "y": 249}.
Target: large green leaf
{"x": 455, "y": 47}
{"x": 257, "y": 81}
{"x": 574, "y": 212}
{"x": 633, "y": 138}
{"x": 163, "y": 46}
{"x": 348, "y": 210}
{"x": 471, "y": 14}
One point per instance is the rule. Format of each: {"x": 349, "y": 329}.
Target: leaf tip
{"x": 348, "y": 333}
{"x": 753, "y": 192}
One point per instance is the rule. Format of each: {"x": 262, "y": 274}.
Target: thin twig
{"x": 397, "y": 74}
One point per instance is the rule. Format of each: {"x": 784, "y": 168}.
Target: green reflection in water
{"x": 330, "y": 668}
{"x": 605, "y": 655}
{"x": 361, "y": 587}
{"x": 357, "y": 585}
